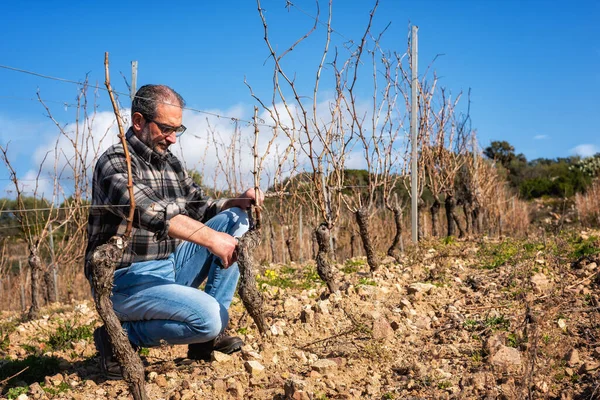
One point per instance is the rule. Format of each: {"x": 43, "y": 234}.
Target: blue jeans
{"x": 159, "y": 301}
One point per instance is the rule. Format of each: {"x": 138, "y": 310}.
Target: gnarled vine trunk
{"x": 104, "y": 259}
{"x": 35, "y": 263}
{"x": 450, "y": 204}
{"x": 288, "y": 245}
{"x": 393, "y": 249}
{"x": 272, "y": 242}
{"x": 324, "y": 268}
{"x": 468, "y": 210}
{"x": 247, "y": 289}
{"x": 362, "y": 219}
{"x": 50, "y": 284}
{"x": 435, "y": 212}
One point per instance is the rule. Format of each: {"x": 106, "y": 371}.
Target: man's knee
{"x": 208, "y": 323}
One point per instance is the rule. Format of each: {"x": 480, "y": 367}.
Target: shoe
{"x": 222, "y": 343}
{"x": 109, "y": 366}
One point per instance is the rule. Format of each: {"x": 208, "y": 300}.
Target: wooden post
{"x": 283, "y": 251}
{"x": 23, "y": 305}
{"x": 300, "y": 232}
{"x": 53, "y": 264}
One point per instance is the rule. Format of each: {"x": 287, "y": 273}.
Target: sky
{"x": 532, "y": 66}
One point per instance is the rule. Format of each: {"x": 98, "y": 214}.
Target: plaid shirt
{"x": 162, "y": 189}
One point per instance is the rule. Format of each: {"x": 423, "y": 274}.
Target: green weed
{"x": 449, "y": 240}
{"x": 54, "y": 390}
{"x": 68, "y": 333}
{"x": 272, "y": 278}
{"x": 15, "y": 392}
{"x": 546, "y": 338}
{"x": 311, "y": 277}
{"x": 497, "y": 323}
{"x": 144, "y": 351}
{"x": 584, "y": 247}
{"x": 366, "y": 282}
{"x": 353, "y": 265}
{"x": 477, "y": 356}
{"x": 444, "y": 385}
{"x": 497, "y": 255}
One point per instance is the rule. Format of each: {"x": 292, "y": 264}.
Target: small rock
{"x": 151, "y": 376}
{"x": 292, "y": 386}
{"x": 423, "y": 322}
{"x": 506, "y": 357}
{"x": 254, "y": 367}
{"x": 291, "y": 304}
{"x": 495, "y": 342}
{"x": 161, "y": 381}
{"x": 324, "y": 366}
{"x": 323, "y": 306}
{"x": 314, "y": 374}
{"x": 405, "y": 303}
{"x": 219, "y": 357}
{"x": 418, "y": 287}
{"x": 572, "y": 357}
{"x": 236, "y": 389}
{"x": 90, "y": 384}
{"x": 480, "y": 380}
{"x": 562, "y": 324}
{"x": 276, "y": 330}
{"x": 219, "y": 385}
{"x": 301, "y": 356}
{"x": 588, "y": 367}
{"x": 307, "y": 315}
{"x": 36, "y": 390}
{"x": 22, "y": 396}
{"x": 381, "y": 329}
{"x": 540, "y": 283}
{"x": 54, "y": 380}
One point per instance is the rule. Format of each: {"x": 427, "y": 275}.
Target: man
{"x": 179, "y": 239}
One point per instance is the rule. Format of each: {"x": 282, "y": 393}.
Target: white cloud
{"x": 585, "y": 150}
{"x": 220, "y": 148}
{"x": 540, "y": 137}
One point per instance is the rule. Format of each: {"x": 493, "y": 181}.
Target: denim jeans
{"x": 159, "y": 301}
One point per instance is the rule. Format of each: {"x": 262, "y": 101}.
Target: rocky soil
{"x": 510, "y": 319}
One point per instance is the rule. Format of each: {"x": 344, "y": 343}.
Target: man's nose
{"x": 172, "y": 138}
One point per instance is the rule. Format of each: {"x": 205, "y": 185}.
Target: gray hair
{"x": 148, "y": 97}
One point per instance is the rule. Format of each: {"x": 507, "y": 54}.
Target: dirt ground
{"x": 486, "y": 319}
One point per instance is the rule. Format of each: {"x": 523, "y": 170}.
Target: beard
{"x": 159, "y": 145}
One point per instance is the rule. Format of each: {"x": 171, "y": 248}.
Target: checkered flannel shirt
{"x": 162, "y": 189}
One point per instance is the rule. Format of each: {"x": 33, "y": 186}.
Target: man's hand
{"x": 252, "y": 195}
{"x": 224, "y": 246}
{"x": 245, "y": 200}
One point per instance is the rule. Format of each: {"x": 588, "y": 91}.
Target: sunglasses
{"x": 167, "y": 130}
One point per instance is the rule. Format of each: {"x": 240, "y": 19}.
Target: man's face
{"x": 153, "y": 136}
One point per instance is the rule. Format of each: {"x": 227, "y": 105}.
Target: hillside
{"x": 455, "y": 319}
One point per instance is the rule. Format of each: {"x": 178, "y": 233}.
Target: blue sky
{"x": 533, "y": 66}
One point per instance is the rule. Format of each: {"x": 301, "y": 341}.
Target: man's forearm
{"x": 188, "y": 229}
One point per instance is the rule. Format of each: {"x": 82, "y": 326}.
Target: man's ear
{"x": 137, "y": 122}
